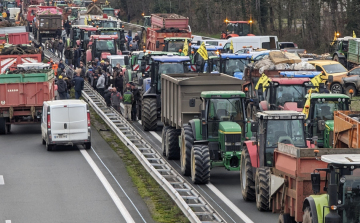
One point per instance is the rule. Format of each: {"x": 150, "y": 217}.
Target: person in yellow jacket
{"x": 4, "y": 14}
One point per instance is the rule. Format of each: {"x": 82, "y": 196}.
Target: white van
{"x": 65, "y": 122}
{"x": 254, "y": 42}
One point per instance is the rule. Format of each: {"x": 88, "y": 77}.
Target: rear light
{"x": 48, "y": 122}
{"x": 88, "y": 119}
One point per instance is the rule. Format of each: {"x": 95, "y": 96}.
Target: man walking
{"x": 116, "y": 99}
{"x": 136, "y": 95}
{"x": 128, "y": 99}
{"x": 101, "y": 85}
{"x": 62, "y": 88}
{"x": 133, "y": 45}
{"x": 60, "y": 49}
{"x": 78, "y": 84}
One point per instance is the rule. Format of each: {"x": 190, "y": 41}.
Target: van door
{"x": 78, "y": 122}
{"x": 59, "y": 118}
{"x": 273, "y": 43}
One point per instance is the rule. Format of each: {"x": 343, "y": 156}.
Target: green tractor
{"x": 176, "y": 44}
{"x": 319, "y": 110}
{"x": 341, "y": 203}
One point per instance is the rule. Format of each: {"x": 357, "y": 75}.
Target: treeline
{"x": 309, "y": 23}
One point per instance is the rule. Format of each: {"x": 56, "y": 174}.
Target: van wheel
{"x": 87, "y": 145}
{"x": 49, "y": 147}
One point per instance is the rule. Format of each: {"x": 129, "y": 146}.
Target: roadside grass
{"x": 355, "y": 103}
{"x": 160, "y": 204}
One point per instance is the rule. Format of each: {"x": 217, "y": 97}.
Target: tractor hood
{"x": 239, "y": 75}
{"x": 229, "y": 127}
{"x": 330, "y": 124}
{"x": 105, "y": 54}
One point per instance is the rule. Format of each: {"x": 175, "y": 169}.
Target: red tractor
{"x": 100, "y": 46}
{"x": 237, "y": 28}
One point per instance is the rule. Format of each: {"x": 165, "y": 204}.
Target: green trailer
{"x": 204, "y": 122}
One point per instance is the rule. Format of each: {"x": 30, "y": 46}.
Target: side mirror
{"x": 321, "y": 125}
{"x": 192, "y": 102}
{"x": 330, "y": 78}
{"x": 157, "y": 44}
{"x": 254, "y": 126}
{"x": 126, "y": 60}
{"x": 315, "y": 182}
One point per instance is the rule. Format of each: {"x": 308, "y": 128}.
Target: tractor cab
{"x": 341, "y": 203}
{"x": 81, "y": 35}
{"x": 176, "y": 44}
{"x": 198, "y": 60}
{"x": 147, "y": 21}
{"x": 319, "y": 110}
{"x": 75, "y": 12}
{"x": 102, "y": 46}
{"x": 230, "y": 64}
{"x": 237, "y": 28}
{"x": 115, "y": 31}
{"x": 109, "y": 11}
{"x": 104, "y": 23}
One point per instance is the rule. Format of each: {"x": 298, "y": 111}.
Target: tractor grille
{"x": 233, "y": 138}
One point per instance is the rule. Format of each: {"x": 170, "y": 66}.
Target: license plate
{"x": 61, "y": 136}
{"x": 45, "y": 32}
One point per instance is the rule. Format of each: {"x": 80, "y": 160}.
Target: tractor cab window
{"x": 223, "y": 110}
{"x": 324, "y": 110}
{"x": 105, "y": 45}
{"x": 344, "y": 46}
{"x": 116, "y": 61}
{"x": 318, "y": 68}
{"x": 86, "y": 37}
{"x": 76, "y": 34}
{"x": 74, "y": 12}
{"x": 350, "y": 196}
{"x": 109, "y": 12}
{"x": 110, "y": 32}
{"x": 169, "y": 68}
{"x": 108, "y": 24}
{"x": 290, "y": 93}
{"x": 175, "y": 46}
{"x": 235, "y": 65}
{"x": 241, "y": 29}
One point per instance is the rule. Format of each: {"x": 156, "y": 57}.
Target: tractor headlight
{"x": 227, "y": 143}
{"x": 238, "y": 144}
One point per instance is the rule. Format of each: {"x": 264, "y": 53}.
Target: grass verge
{"x": 355, "y": 103}
{"x": 160, "y": 204}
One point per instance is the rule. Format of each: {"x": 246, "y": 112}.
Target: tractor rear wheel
{"x": 285, "y": 218}
{"x": 149, "y": 116}
{"x": 172, "y": 144}
{"x": 246, "y": 177}
{"x": 163, "y": 139}
{"x": 3, "y": 127}
{"x": 262, "y": 188}
{"x": 200, "y": 164}
{"x": 307, "y": 216}
{"x": 187, "y": 141}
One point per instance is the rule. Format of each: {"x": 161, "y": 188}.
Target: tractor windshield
{"x": 169, "y": 68}
{"x": 223, "y": 110}
{"x": 334, "y": 68}
{"x": 11, "y": 5}
{"x": 241, "y": 29}
{"x": 74, "y": 12}
{"x": 105, "y": 46}
{"x": 109, "y": 12}
{"x": 175, "y": 46}
{"x": 116, "y": 61}
{"x": 108, "y": 24}
{"x": 110, "y": 32}
{"x": 289, "y": 93}
{"x": 285, "y": 131}
{"x": 235, "y": 65}
{"x": 351, "y": 197}
{"x": 324, "y": 109}
{"x": 86, "y": 37}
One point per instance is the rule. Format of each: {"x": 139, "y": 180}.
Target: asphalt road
{"x": 61, "y": 186}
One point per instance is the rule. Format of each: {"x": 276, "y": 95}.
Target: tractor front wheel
{"x": 149, "y": 116}
{"x": 187, "y": 141}
{"x": 172, "y": 144}
{"x": 246, "y": 177}
{"x": 262, "y": 189}
{"x": 200, "y": 164}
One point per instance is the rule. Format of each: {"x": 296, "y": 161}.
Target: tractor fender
{"x": 88, "y": 55}
{"x": 196, "y": 127}
{"x": 253, "y": 152}
{"x": 309, "y": 202}
{"x": 339, "y": 55}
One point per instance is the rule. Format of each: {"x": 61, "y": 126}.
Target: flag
{"x": 335, "y": 38}
{"x": 203, "y": 52}
{"x": 232, "y": 46}
{"x": 354, "y": 35}
{"x": 186, "y": 47}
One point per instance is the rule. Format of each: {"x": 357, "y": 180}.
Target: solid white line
{"x": 108, "y": 187}
{"x": 2, "y": 182}
{"x": 218, "y": 193}
{"x": 7, "y": 221}
{"x": 230, "y": 204}
{"x": 156, "y": 135}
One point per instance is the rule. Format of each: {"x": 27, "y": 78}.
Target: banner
{"x": 203, "y": 52}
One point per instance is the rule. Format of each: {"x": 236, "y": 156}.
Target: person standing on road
{"x": 62, "y": 88}
{"x": 55, "y": 46}
{"x": 136, "y": 94}
{"x": 128, "y": 38}
{"x": 83, "y": 70}
{"x": 119, "y": 81}
{"x": 63, "y": 36}
{"x": 133, "y": 45}
{"x": 60, "y": 49}
{"x": 116, "y": 98}
{"x": 70, "y": 72}
{"x": 101, "y": 85}
{"x": 78, "y": 83}
{"x": 61, "y": 65}
{"x": 58, "y": 33}
{"x": 68, "y": 56}
{"x": 137, "y": 39}
{"x": 107, "y": 96}
{"x": 128, "y": 100}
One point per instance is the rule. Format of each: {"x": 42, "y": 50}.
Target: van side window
{"x": 266, "y": 45}
{"x": 318, "y": 68}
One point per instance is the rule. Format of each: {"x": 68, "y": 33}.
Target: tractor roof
{"x": 222, "y": 94}
{"x": 88, "y": 28}
{"x": 326, "y": 95}
{"x": 104, "y": 37}
{"x": 177, "y": 38}
{"x": 290, "y": 81}
{"x": 170, "y": 59}
{"x": 162, "y": 53}
{"x": 344, "y": 159}
{"x": 235, "y": 56}
{"x": 280, "y": 115}
{"x": 103, "y": 28}
{"x": 208, "y": 48}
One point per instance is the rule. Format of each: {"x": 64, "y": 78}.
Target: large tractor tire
{"x": 262, "y": 188}
{"x": 163, "y": 139}
{"x": 200, "y": 164}
{"x": 246, "y": 177}
{"x": 3, "y": 126}
{"x": 307, "y": 216}
{"x": 172, "y": 144}
{"x": 149, "y": 115}
{"x": 187, "y": 141}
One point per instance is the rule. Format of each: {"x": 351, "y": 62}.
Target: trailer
{"x": 48, "y": 20}
{"x": 164, "y": 26}
{"x": 204, "y": 119}
{"x": 14, "y": 35}
{"x": 347, "y": 129}
{"x": 9, "y": 61}
{"x": 22, "y": 95}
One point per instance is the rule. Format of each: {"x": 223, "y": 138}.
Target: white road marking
{"x": 7, "y": 221}
{"x": 218, "y": 193}
{"x": 108, "y": 187}
{"x": 230, "y": 204}
{"x": 2, "y": 182}
{"x": 122, "y": 105}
